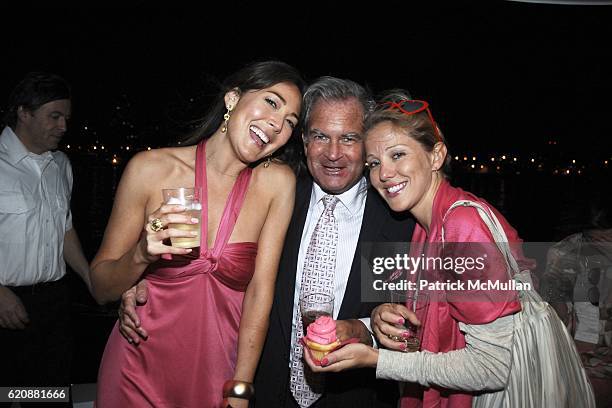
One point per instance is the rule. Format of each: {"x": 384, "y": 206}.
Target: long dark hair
{"x": 254, "y": 76}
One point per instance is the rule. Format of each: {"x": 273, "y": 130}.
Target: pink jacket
{"x": 441, "y": 334}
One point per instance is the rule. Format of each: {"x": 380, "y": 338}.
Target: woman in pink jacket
{"x": 468, "y": 355}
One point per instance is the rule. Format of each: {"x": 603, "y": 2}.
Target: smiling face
{"x": 41, "y": 130}
{"x": 334, "y": 145}
{"x": 262, "y": 120}
{"x": 401, "y": 170}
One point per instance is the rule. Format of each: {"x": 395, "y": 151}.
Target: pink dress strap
{"x": 231, "y": 209}
{"x": 200, "y": 181}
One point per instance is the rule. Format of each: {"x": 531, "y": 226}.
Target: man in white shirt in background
{"x": 36, "y": 235}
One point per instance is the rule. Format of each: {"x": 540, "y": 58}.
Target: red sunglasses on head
{"x": 410, "y": 107}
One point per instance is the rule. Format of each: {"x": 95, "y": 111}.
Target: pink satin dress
{"x": 192, "y": 316}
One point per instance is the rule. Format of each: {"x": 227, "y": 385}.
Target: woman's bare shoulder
{"x": 275, "y": 178}
{"x": 274, "y": 173}
{"x": 162, "y": 162}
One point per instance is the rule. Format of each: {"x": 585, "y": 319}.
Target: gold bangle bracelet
{"x": 238, "y": 389}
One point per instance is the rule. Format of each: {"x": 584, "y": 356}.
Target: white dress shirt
{"x": 349, "y": 215}
{"x": 35, "y": 213}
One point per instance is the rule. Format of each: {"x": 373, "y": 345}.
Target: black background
{"x": 498, "y": 74}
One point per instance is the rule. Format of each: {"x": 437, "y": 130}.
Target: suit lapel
{"x": 371, "y": 226}
{"x": 285, "y": 284}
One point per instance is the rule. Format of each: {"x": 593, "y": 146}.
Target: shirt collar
{"x": 15, "y": 149}
{"x": 352, "y": 199}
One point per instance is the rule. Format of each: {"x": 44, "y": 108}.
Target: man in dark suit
{"x": 333, "y": 111}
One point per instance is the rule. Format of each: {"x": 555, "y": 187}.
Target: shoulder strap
{"x": 231, "y": 211}
{"x": 495, "y": 227}
{"x": 200, "y": 181}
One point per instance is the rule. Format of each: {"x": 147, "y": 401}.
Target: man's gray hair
{"x": 332, "y": 89}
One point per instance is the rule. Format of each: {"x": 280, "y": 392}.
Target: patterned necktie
{"x": 317, "y": 276}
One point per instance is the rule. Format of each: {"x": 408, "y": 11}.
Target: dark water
{"x": 542, "y": 207}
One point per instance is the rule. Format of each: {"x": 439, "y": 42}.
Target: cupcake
{"x": 321, "y": 338}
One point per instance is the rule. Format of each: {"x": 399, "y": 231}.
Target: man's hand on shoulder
{"x": 13, "y": 314}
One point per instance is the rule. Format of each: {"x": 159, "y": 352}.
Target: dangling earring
{"x": 226, "y": 118}
{"x": 267, "y": 162}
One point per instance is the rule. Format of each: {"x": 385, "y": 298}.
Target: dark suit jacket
{"x": 354, "y": 388}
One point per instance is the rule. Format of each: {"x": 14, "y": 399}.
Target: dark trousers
{"x": 40, "y": 355}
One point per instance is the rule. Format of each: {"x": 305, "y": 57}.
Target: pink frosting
{"x": 322, "y": 330}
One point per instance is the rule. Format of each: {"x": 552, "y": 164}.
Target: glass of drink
{"x": 418, "y": 303}
{"x": 190, "y": 199}
{"x": 315, "y": 304}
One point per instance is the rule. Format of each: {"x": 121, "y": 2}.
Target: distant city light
{"x": 474, "y": 162}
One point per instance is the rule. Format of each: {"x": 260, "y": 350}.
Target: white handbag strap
{"x": 496, "y": 229}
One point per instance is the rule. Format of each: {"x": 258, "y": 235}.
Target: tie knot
{"x": 330, "y": 201}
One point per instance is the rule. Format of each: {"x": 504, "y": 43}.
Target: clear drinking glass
{"x": 418, "y": 303}
{"x": 315, "y": 304}
{"x": 189, "y": 197}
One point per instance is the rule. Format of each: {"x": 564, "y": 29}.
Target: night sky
{"x": 498, "y": 74}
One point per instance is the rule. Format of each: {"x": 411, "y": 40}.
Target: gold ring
{"x": 395, "y": 338}
{"x": 156, "y": 225}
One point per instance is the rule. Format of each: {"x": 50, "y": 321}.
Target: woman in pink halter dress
{"x": 207, "y": 307}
